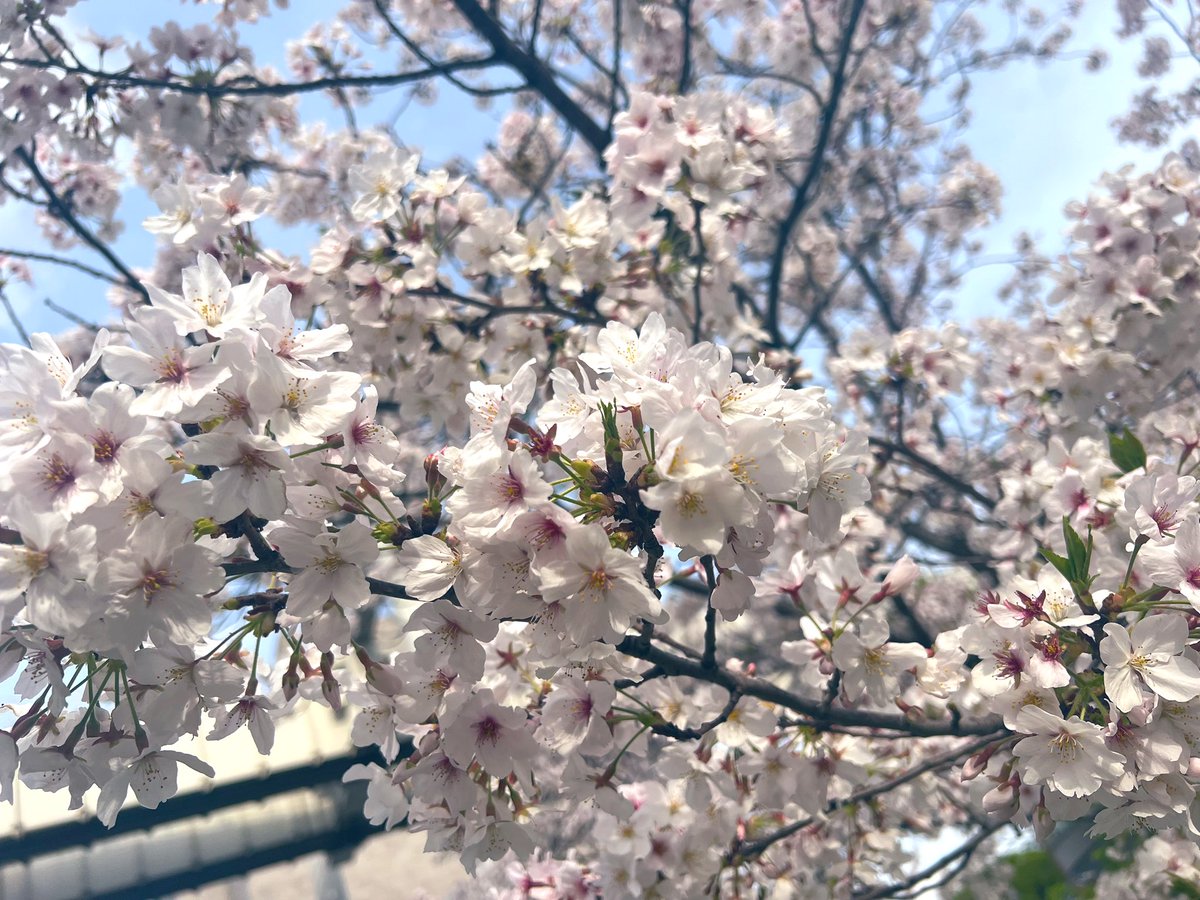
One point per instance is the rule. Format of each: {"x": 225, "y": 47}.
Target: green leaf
{"x": 1183, "y": 888}
{"x": 1079, "y": 554}
{"x": 1126, "y": 450}
{"x": 1061, "y": 563}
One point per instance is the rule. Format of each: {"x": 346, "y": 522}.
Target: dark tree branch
{"x": 62, "y": 211}
{"x": 963, "y": 852}
{"x": 943, "y": 761}
{"x": 12, "y": 316}
{"x": 709, "y": 658}
{"x": 750, "y": 686}
{"x": 883, "y": 299}
{"x": 804, "y": 191}
{"x": 536, "y": 74}
{"x": 253, "y": 88}
{"x": 685, "y": 69}
{"x": 666, "y": 729}
{"x": 931, "y": 468}
{"x": 697, "y": 288}
{"x": 440, "y": 67}
{"x": 59, "y": 261}
{"x": 616, "y": 66}
{"x": 77, "y": 319}
{"x": 258, "y": 567}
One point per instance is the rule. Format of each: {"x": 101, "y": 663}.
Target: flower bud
{"x": 434, "y": 479}
{"x": 1043, "y": 822}
{"x": 265, "y": 624}
{"x": 898, "y": 580}
{"x": 365, "y": 486}
{"x": 1001, "y": 800}
{"x": 290, "y": 683}
{"x": 330, "y": 689}
{"x": 380, "y": 677}
{"x": 332, "y": 693}
{"x": 975, "y": 763}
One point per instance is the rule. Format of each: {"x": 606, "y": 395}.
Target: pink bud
{"x": 291, "y": 679}
{"x": 975, "y": 764}
{"x": 902, "y": 576}
{"x": 382, "y": 678}
{"x": 332, "y": 693}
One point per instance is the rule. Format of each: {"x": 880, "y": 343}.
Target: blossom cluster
{"x": 525, "y": 461}
{"x": 130, "y": 505}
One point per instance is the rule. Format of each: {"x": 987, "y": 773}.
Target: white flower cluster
{"x": 657, "y": 447}
{"x": 127, "y": 511}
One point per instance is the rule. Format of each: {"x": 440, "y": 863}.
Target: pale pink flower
{"x": 1149, "y": 653}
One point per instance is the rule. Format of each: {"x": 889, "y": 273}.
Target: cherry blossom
{"x": 717, "y": 549}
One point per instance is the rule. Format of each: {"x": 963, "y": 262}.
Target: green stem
{"x": 1138, "y": 543}
{"x": 236, "y": 635}
{"x": 328, "y": 445}
{"x": 252, "y": 684}
{"x": 612, "y": 766}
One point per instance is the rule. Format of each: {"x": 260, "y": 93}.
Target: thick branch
{"x": 258, "y": 567}
{"x": 772, "y": 693}
{"x": 666, "y": 729}
{"x": 709, "y": 658}
{"x": 931, "y": 468}
{"x": 535, "y": 72}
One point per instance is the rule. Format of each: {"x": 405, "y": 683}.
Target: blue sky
{"x": 1045, "y": 130}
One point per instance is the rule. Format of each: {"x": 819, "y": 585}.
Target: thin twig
{"x": 804, "y": 191}
{"x": 257, "y": 88}
{"x": 12, "y": 315}
{"x": 62, "y": 211}
{"x": 963, "y": 852}
{"x": 932, "y": 468}
{"x": 59, "y": 261}
{"x": 689, "y": 666}
{"x": 74, "y": 317}
{"x": 697, "y": 307}
{"x": 944, "y": 760}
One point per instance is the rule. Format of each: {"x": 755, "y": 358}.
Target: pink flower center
{"x": 1009, "y": 663}
{"x": 487, "y": 730}
{"x": 363, "y": 432}
{"x": 171, "y": 368}
{"x": 155, "y": 581}
{"x": 105, "y": 447}
{"x": 57, "y": 474}
{"x": 509, "y": 487}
